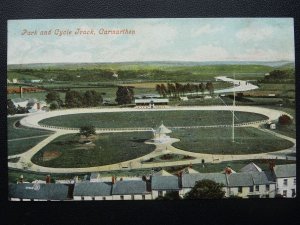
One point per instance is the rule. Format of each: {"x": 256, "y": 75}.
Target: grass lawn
{"x": 218, "y": 141}
{"x": 20, "y": 146}
{"x": 21, "y": 132}
{"x": 107, "y": 149}
{"x": 151, "y": 119}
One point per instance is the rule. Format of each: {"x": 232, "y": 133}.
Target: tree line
{"x": 178, "y": 89}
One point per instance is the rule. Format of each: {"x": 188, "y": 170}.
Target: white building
{"x": 131, "y": 190}
{"x": 162, "y": 183}
{"x": 189, "y": 180}
{"x": 92, "y": 191}
{"x": 286, "y": 180}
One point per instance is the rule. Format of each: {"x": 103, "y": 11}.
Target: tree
{"x": 54, "y": 105}
{"x": 124, "y": 95}
{"x": 173, "y": 195}
{"x": 87, "y": 131}
{"x": 284, "y": 120}
{"x": 210, "y": 88}
{"x": 11, "y": 108}
{"x": 201, "y": 88}
{"x": 73, "y": 99}
{"x": 53, "y": 96}
{"x": 206, "y": 189}
{"x": 92, "y": 98}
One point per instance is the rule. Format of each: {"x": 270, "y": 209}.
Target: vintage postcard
{"x": 151, "y": 109}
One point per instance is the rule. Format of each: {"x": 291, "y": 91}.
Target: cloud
{"x": 206, "y": 29}
{"x": 210, "y": 52}
{"x": 254, "y": 34}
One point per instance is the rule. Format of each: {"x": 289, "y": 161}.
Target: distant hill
{"x": 142, "y": 65}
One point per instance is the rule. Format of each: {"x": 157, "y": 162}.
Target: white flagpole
{"x": 233, "y": 107}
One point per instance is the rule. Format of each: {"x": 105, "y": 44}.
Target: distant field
{"x": 218, "y": 141}
{"x": 151, "y": 119}
{"x": 136, "y": 71}
{"x": 109, "y": 148}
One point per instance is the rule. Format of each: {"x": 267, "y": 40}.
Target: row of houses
{"x": 249, "y": 182}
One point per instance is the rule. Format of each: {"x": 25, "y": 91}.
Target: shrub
{"x": 284, "y": 120}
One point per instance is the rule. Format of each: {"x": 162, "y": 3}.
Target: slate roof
{"x": 162, "y": 173}
{"x": 94, "y": 176}
{"x": 164, "y": 183}
{"x": 260, "y": 178}
{"x": 240, "y": 180}
{"x": 189, "y": 180}
{"x": 40, "y": 191}
{"x": 92, "y": 189}
{"x": 129, "y": 187}
{"x": 288, "y": 170}
{"x": 251, "y": 167}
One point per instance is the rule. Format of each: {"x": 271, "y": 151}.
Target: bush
{"x": 284, "y": 120}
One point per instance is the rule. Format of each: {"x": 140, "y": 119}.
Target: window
{"x": 160, "y": 193}
{"x": 293, "y": 192}
{"x": 240, "y": 189}
{"x": 103, "y": 198}
{"x": 267, "y": 196}
{"x": 132, "y": 197}
{"x": 251, "y": 189}
{"x": 93, "y": 198}
{"x": 122, "y": 197}
{"x": 257, "y": 188}
{"x": 82, "y": 198}
{"x": 295, "y": 181}
{"x": 285, "y": 182}
{"x": 143, "y": 197}
{"x": 284, "y": 193}
{"x": 267, "y": 187}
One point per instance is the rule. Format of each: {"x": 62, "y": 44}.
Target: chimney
{"x": 113, "y": 179}
{"x": 228, "y": 170}
{"x": 48, "y": 179}
{"x": 121, "y": 178}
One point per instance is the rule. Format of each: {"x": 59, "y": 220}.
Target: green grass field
{"x": 219, "y": 141}
{"x": 20, "y": 146}
{"x": 22, "y": 132}
{"x": 109, "y": 148}
{"x": 151, "y": 119}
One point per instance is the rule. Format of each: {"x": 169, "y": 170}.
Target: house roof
{"x": 164, "y": 183}
{"x": 129, "y": 187}
{"x": 251, "y": 167}
{"x": 92, "y": 189}
{"x": 240, "y": 180}
{"x": 189, "y": 180}
{"x": 189, "y": 170}
{"x": 162, "y": 173}
{"x": 38, "y": 191}
{"x": 264, "y": 177}
{"x": 95, "y": 175}
{"x": 287, "y": 170}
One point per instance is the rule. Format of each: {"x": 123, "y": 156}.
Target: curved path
{"x": 161, "y": 148}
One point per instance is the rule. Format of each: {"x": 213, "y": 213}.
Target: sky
{"x": 198, "y": 39}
